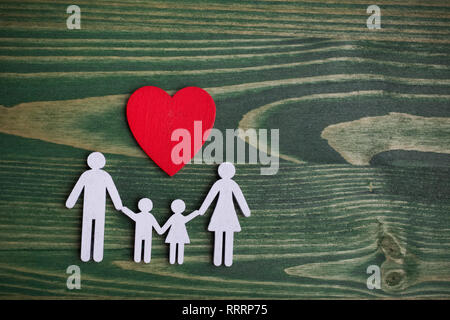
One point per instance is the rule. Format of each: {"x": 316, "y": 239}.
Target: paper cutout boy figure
{"x": 177, "y": 236}
{"x": 95, "y": 183}
{"x": 145, "y": 222}
{"x": 224, "y": 221}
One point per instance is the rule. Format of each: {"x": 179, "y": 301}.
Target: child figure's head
{"x": 145, "y": 205}
{"x": 178, "y": 206}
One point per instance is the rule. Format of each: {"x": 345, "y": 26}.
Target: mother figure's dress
{"x": 224, "y": 217}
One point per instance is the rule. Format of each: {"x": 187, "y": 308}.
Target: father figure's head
{"x": 96, "y": 160}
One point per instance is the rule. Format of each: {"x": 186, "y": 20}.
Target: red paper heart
{"x": 153, "y": 115}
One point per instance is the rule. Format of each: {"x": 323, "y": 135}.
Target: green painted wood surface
{"x": 300, "y": 66}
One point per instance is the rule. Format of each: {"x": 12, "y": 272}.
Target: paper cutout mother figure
{"x": 224, "y": 221}
{"x": 96, "y": 183}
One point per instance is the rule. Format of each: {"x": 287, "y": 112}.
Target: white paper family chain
{"x": 96, "y": 182}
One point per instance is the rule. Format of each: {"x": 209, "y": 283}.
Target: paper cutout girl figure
{"x": 95, "y": 183}
{"x": 145, "y": 222}
{"x": 177, "y": 236}
{"x": 224, "y": 221}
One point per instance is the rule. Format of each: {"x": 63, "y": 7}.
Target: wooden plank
{"x": 300, "y": 66}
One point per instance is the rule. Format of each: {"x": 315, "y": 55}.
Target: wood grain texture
{"x": 300, "y": 66}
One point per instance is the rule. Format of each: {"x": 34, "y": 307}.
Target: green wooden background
{"x": 300, "y": 66}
